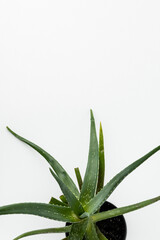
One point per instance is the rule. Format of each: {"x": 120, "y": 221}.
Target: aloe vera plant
{"x": 79, "y": 207}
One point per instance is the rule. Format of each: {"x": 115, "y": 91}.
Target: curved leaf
{"x": 71, "y": 198}
{"x": 120, "y": 211}
{"x": 101, "y": 197}
{"x": 62, "y": 174}
{"x": 91, "y": 176}
{"x": 60, "y": 213}
{"x": 44, "y": 231}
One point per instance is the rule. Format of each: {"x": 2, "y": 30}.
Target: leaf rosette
{"x": 80, "y": 207}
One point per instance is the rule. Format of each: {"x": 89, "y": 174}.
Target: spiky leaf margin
{"x": 59, "y": 213}
{"x": 44, "y": 231}
{"x": 123, "y": 210}
{"x": 91, "y": 176}
{"x": 96, "y": 202}
{"x": 62, "y": 174}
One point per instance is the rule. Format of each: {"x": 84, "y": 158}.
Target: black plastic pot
{"x": 113, "y": 228}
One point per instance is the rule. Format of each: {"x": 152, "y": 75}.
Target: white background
{"x": 58, "y": 59}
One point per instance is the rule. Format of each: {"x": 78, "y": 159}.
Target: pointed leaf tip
{"x": 106, "y": 191}
{"x": 91, "y": 114}
{"x": 59, "y": 170}
{"x": 79, "y": 178}
{"x": 122, "y": 210}
{"x": 90, "y": 180}
{"x": 44, "y": 231}
{"x": 59, "y": 213}
{"x": 101, "y": 160}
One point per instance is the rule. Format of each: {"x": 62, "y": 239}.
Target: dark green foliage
{"x": 81, "y": 209}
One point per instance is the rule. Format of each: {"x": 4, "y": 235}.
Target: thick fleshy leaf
{"x": 101, "y": 160}
{"x": 101, "y": 197}
{"x": 89, "y": 185}
{"x": 120, "y": 211}
{"x": 60, "y": 213}
{"x": 78, "y": 230}
{"x": 62, "y": 174}
{"x": 63, "y": 199}
{"x": 91, "y": 233}
{"x": 100, "y": 235}
{"x": 71, "y": 198}
{"x": 79, "y": 178}
{"x": 44, "y": 231}
{"x": 55, "y": 201}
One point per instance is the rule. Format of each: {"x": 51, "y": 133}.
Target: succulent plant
{"x": 79, "y": 207}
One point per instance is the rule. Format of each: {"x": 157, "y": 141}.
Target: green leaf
{"x": 71, "y": 198}
{"x": 101, "y": 161}
{"x": 101, "y": 197}
{"x": 56, "y": 202}
{"x": 100, "y": 235}
{"x": 63, "y": 199}
{"x": 44, "y": 231}
{"x": 91, "y": 176}
{"x": 60, "y": 213}
{"x": 79, "y": 178}
{"x": 91, "y": 233}
{"x": 78, "y": 230}
{"x": 120, "y": 211}
{"x": 62, "y": 174}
